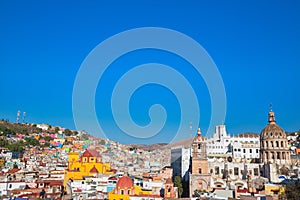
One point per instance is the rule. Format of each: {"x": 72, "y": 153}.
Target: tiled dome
{"x": 272, "y": 130}
{"x": 125, "y": 182}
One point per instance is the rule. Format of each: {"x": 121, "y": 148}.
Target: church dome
{"x": 272, "y": 130}
{"x": 125, "y": 182}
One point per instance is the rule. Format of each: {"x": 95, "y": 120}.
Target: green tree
{"x": 67, "y": 132}
{"x": 56, "y": 129}
{"x": 178, "y": 184}
{"x": 47, "y": 138}
{"x": 292, "y": 191}
{"x": 32, "y": 141}
{"x": 102, "y": 142}
{"x": 15, "y": 165}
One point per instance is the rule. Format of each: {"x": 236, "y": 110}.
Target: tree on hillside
{"x": 102, "y": 142}
{"x": 56, "y": 129}
{"x": 178, "y": 184}
{"x": 67, "y": 132}
{"x": 32, "y": 141}
{"x": 47, "y": 138}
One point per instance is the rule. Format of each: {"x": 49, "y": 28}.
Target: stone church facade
{"x": 208, "y": 173}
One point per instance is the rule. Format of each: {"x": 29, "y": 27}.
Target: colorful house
{"x": 88, "y": 164}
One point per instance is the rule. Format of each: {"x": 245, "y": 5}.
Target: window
{"x": 122, "y": 192}
{"x": 211, "y": 171}
{"x": 216, "y": 170}
{"x": 128, "y": 192}
{"x": 277, "y": 144}
{"x": 256, "y": 150}
{"x": 255, "y": 171}
{"x": 199, "y": 146}
{"x": 200, "y": 171}
{"x": 236, "y": 171}
{"x": 250, "y": 150}
{"x": 244, "y": 150}
{"x": 230, "y": 171}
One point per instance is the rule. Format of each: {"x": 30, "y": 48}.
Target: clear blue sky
{"x": 255, "y": 45}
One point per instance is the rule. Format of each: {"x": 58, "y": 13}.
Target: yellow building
{"x": 271, "y": 189}
{"x": 2, "y": 162}
{"x": 125, "y": 188}
{"x": 88, "y": 164}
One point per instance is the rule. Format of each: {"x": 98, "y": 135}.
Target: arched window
{"x": 277, "y": 144}
{"x": 282, "y": 145}
{"x": 200, "y": 171}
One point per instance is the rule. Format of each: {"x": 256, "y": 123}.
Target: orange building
{"x": 169, "y": 189}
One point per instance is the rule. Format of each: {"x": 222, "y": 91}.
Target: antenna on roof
{"x": 24, "y": 116}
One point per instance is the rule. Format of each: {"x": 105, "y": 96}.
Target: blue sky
{"x": 254, "y": 44}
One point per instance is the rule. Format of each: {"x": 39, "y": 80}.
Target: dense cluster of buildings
{"x": 226, "y": 166}
{"x": 221, "y": 167}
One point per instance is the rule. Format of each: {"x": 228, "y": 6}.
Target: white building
{"x": 180, "y": 161}
{"x": 238, "y": 147}
{"x": 220, "y": 144}
{"x": 246, "y": 146}
{"x": 7, "y": 186}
